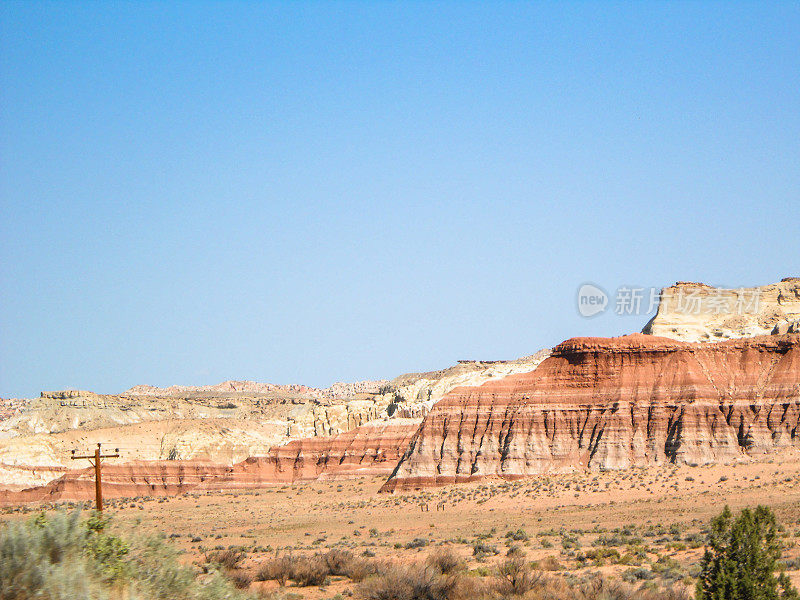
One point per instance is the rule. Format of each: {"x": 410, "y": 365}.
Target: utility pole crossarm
{"x": 92, "y": 456}
{"x": 94, "y": 460}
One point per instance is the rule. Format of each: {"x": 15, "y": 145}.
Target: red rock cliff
{"x": 372, "y": 449}
{"x": 602, "y": 403}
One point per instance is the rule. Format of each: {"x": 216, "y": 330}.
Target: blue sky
{"x": 313, "y": 192}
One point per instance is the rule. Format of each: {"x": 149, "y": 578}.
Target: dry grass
{"x": 240, "y": 579}
{"x": 514, "y": 579}
{"x": 276, "y": 569}
{"x": 308, "y": 571}
{"x": 229, "y": 559}
{"x": 418, "y": 581}
{"x": 446, "y": 561}
{"x": 314, "y": 570}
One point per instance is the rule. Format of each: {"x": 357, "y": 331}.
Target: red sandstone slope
{"x": 372, "y": 449}
{"x": 603, "y": 403}
{"x": 135, "y": 478}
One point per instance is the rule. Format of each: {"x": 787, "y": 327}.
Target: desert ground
{"x": 641, "y": 525}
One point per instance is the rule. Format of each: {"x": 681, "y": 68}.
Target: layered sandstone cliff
{"x": 602, "y": 403}
{"x": 223, "y": 430}
{"x": 221, "y": 424}
{"x": 695, "y": 312}
{"x": 369, "y": 450}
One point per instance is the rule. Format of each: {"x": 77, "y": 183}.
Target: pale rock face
{"x": 695, "y": 312}
{"x": 335, "y": 419}
{"x": 370, "y": 450}
{"x": 413, "y": 395}
{"x": 614, "y": 403}
{"x": 220, "y": 424}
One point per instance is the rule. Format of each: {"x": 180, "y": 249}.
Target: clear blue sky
{"x": 314, "y": 192}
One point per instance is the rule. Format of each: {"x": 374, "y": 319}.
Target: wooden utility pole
{"x": 97, "y": 457}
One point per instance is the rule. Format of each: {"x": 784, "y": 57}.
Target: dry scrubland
{"x": 640, "y": 529}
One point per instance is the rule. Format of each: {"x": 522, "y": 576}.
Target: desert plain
{"x": 644, "y": 525}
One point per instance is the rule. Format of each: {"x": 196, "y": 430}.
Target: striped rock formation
{"x": 613, "y": 403}
{"x": 369, "y": 450}
{"x": 372, "y": 449}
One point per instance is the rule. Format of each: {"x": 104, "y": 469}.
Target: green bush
{"x": 741, "y": 558}
{"x": 518, "y": 536}
{"x": 66, "y": 557}
{"x": 638, "y": 574}
{"x": 44, "y": 558}
{"x": 482, "y": 550}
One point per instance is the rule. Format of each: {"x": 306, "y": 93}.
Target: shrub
{"x": 314, "y": 570}
{"x": 309, "y": 571}
{"x": 227, "y": 559}
{"x": 549, "y": 563}
{"x": 413, "y": 582}
{"x": 789, "y": 564}
{"x": 518, "y": 536}
{"x": 40, "y": 557}
{"x": 276, "y": 569}
{"x": 600, "y": 555}
{"x": 345, "y": 564}
{"x": 638, "y": 574}
{"x": 668, "y": 568}
{"x": 445, "y": 561}
{"x": 64, "y": 557}
{"x": 482, "y": 550}
{"x": 240, "y": 579}
{"x": 360, "y": 569}
{"x": 740, "y": 560}
{"x": 109, "y": 553}
{"x": 516, "y": 576}
{"x": 338, "y": 561}
{"x": 694, "y": 540}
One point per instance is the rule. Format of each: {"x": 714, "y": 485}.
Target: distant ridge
{"x": 337, "y": 390}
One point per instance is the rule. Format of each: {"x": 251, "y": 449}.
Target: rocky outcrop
{"x": 70, "y": 394}
{"x": 337, "y": 390}
{"x": 695, "y": 312}
{"x": 600, "y": 403}
{"x": 369, "y": 450}
{"x": 11, "y": 406}
{"x": 412, "y": 395}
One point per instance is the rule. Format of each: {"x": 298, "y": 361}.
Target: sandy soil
{"x": 661, "y": 511}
